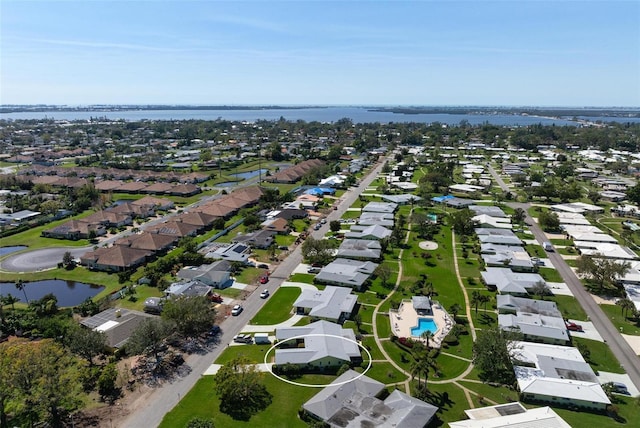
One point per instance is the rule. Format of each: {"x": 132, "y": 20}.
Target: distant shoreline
{"x": 547, "y": 112}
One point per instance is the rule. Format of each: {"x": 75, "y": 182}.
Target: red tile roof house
{"x": 162, "y": 204}
{"x": 115, "y": 259}
{"x": 158, "y": 188}
{"x": 155, "y": 242}
{"x": 294, "y": 173}
{"x": 194, "y": 177}
{"x": 131, "y": 187}
{"x": 107, "y": 185}
{"x": 196, "y": 218}
{"x": 73, "y": 182}
{"x": 278, "y": 225}
{"x": 185, "y": 190}
{"x": 109, "y": 219}
{"x": 134, "y": 211}
{"x": 174, "y": 228}
{"x": 215, "y": 209}
{"x": 74, "y": 230}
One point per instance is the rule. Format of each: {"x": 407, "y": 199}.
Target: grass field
{"x": 281, "y": 413}
{"x": 600, "y": 356}
{"x": 623, "y": 324}
{"x": 278, "y": 307}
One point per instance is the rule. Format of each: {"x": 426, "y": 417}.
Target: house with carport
{"x": 335, "y": 304}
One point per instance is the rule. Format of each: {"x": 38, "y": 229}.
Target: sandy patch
{"x": 604, "y": 300}
{"x": 428, "y": 245}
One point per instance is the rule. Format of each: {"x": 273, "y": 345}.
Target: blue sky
{"x": 509, "y": 52}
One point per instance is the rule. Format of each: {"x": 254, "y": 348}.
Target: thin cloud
{"x": 107, "y": 45}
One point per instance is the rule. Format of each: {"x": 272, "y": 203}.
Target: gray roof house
{"x": 501, "y": 240}
{"x": 216, "y": 275}
{"x": 489, "y": 210}
{"x": 496, "y": 248}
{"x": 536, "y": 327}
{"x": 380, "y": 207}
{"x": 374, "y": 232}
{"x": 258, "y": 239}
{"x": 116, "y": 323}
{"x": 556, "y": 374}
{"x": 518, "y": 261}
{"x": 508, "y": 304}
{"x": 404, "y": 199}
{"x": 189, "y": 288}
{"x": 320, "y": 344}
{"x": 481, "y": 231}
{"x": 333, "y": 303}
{"x": 360, "y": 249}
{"x": 232, "y": 253}
{"x": 508, "y": 282}
{"x": 347, "y": 403}
{"x": 346, "y": 272}
{"x": 371, "y": 218}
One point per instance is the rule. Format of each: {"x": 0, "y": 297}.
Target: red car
{"x": 571, "y": 326}
{"x": 264, "y": 279}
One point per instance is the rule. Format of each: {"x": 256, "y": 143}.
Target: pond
{"x": 8, "y": 250}
{"x": 227, "y": 184}
{"x": 69, "y": 293}
{"x": 250, "y": 174}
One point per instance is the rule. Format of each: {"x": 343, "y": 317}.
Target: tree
{"x": 149, "y": 336}
{"x": 455, "y": 309}
{"x": 67, "y": 259}
{"x": 462, "y": 222}
{"x": 384, "y": 273}
{"x": 21, "y": 287}
{"x": 197, "y": 422}
{"x": 625, "y": 305}
{"x": 518, "y": 216}
{"x": 357, "y": 319}
{"x": 335, "y": 225}
{"x": 427, "y": 335}
{"x": 239, "y": 387}
{"x": 603, "y": 273}
{"x": 43, "y": 378}
{"x": 192, "y": 315}
{"x": 549, "y": 221}
{"x": 476, "y": 299}
{"x": 107, "y": 387}
{"x": 633, "y": 194}
{"x": 318, "y": 250}
{"x": 85, "y": 342}
{"x": 218, "y": 224}
{"x": 540, "y": 289}
{"x": 492, "y": 353}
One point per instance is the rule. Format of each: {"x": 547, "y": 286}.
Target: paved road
{"x": 620, "y": 348}
{"x": 164, "y": 399}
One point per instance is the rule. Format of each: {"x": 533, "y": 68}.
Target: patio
{"x": 406, "y": 318}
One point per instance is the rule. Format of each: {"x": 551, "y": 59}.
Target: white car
{"x": 236, "y": 310}
{"x": 264, "y": 294}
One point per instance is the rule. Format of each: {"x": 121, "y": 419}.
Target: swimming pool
{"x": 424, "y": 324}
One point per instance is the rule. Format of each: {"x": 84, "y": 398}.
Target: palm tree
{"x": 484, "y": 299}
{"x": 427, "y": 335}
{"x": 10, "y": 300}
{"x": 454, "y": 309}
{"x": 625, "y": 306}
{"x": 476, "y": 298}
{"x": 21, "y": 286}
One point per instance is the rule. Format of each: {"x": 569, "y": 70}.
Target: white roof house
{"x": 511, "y": 415}
{"x": 548, "y": 329}
{"x": 577, "y": 207}
{"x": 560, "y": 375}
{"x": 507, "y": 303}
{"x": 604, "y": 250}
{"x": 332, "y": 303}
{"x": 489, "y": 210}
{"x": 375, "y": 232}
{"x": 380, "y": 207}
{"x": 360, "y": 249}
{"x": 348, "y": 403}
{"x": 346, "y": 272}
{"x": 322, "y": 342}
{"x": 481, "y": 231}
{"x": 509, "y": 282}
{"x": 501, "y": 240}
{"x": 490, "y": 221}
{"x": 514, "y": 260}
{"x": 572, "y": 218}
{"x": 371, "y": 218}
{"x": 590, "y": 236}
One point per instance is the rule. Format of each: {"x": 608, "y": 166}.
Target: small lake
{"x": 227, "y": 184}
{"x": 69, "y": 293}
{"x": 8, "y": 250}
{"x": 250, "y": 174}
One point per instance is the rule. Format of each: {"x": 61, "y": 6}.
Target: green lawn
{"x": 449, "y": 399}
{"x": 142, "y": 292}
{"x": 600, "y": 358}
{"x": 33, "y": 240}
{"x": 370, "y": 343}
{"x": 366, "y": 313}
{"x": 287, "y": 399}
{"x": 253, "y": 352}
{"x": 569, "y": 307}
{"x": 278, "y": 307}
{"x": 307, "y": 278}
{"x": 386, "y": 373}
{"x": 249, "y": 275}
{"x": 628, "y": 410}
{"x": 498, "y": 394}
{"x": 396, "y": 354}
{"x": 369, "y": 298}
{"x": 614, "y": 313}
{"x": 285, "y": 240}
{"x": 535, "y": 250}
{"x": 230, "y": 292}
{"x": 384, "y": 326}
{"x": 450, "y": 367}
{"x": 550, "y": 275}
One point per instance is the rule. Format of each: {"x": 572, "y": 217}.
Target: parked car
{"x": 264, "y": 294}
{"x": 283, "y": 248}
{"x": 323, "y": 221}
{"x": 242, "y": 338}
{"x": 317, "y": 226}
{"x": 214, "y": 331}
{"x": 313, "y": 270}
{"x": 216, "y": 298}
{"x": 263, "y": 266}
{"x": 620, "y": 388}
{"x": 571, "y": 326}
{"x": 318, "y": 265}
{"x": 264, "y": 279}
{"x": 235, "y": 311}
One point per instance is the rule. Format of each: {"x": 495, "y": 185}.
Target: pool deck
{"x": 406, "y": 318}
